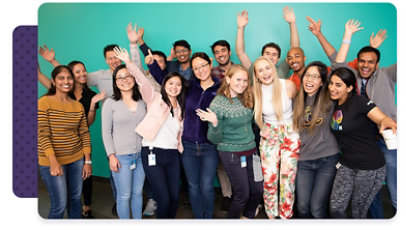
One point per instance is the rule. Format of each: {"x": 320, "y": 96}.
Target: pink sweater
{"x": 157, "y": 109}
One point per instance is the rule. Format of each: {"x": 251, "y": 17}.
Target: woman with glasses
{"x": 121, "y": 114}
{"x": 319, "y": 151}
{"x": 63, "y": 145}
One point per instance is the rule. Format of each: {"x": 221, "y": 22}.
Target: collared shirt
{"x": 219, "y": 72}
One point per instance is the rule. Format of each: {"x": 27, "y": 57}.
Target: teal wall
{"x": 79, "y": 31}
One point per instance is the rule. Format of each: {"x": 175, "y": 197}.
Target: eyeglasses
{"x": 201, "y": 67}
{"x": 126, "y": 78}
{"x": 311, "y": 76}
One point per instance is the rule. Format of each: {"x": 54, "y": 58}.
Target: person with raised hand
{"x": 270, "y": 50}
{"x": 120, "y": 116}
{"x": 230, "y": 128}
{"x": 64, "y": 145}
{"x": 362, "y": 168}
{"x": 161, "y": 130}
{"x": 378, "y": 85}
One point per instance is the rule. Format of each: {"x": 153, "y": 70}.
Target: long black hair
{"x": 181, "y": 97}
{"x": 55, "y": 72}
{"x": 72, "y": 64}
{"x": 116, "y": 91}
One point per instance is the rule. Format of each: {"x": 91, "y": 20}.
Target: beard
{"x": 224, "y": 64}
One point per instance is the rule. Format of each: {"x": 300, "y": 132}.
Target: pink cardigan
{"x": 157, "y": 109}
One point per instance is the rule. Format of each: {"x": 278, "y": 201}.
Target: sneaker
{"x": 150, "y": 208}
{"x": 225, "y": 204}
{"x": 114, "y": 209}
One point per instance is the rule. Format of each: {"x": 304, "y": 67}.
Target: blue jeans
{"x": 64, "y": 191}
{"x": 164, "y": 177}
{"x": 129, "y": 183}
{"x": 314, "y": 181}
{"x": 200, "y": 165}
{"x": 376, "y": 209}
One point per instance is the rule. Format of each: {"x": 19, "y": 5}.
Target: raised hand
{"x": 242, "y": 19}
{"x": 353, "y": 26}
{"x": 149, "y": 59}
{"x": 376, "y": 40}
{"x": 140, "y": 35}
{"x": 172, "y": 55}
{"x": 47, "y": 54}
{"x": 209, "y": 116}
{"x": 132, "y": 33}
{"x": 98, "y": 97}
{"x": 289, "y": 15}
{"x": 122, "y": 54}
{"x": 314, "y": 27}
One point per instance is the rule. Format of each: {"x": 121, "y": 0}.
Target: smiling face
{"x": 63, "y": 81}
{"x": 160, "y": 61}
{"x": 182, "y": 54}
{"x": 124, "y": 80}
{"x": 112, "y": 61}
{"x": 201, "y": 68}
{"x": 312, "y": 80}
{"x": 79, "y": 73}
{"x": 338, "y": 89}
{"x": 296, "y": 59}
{"x": 238, "y": 83}
{"x": 367, "y": 64}
{"x": 272, "y": 54}
{"x": 264, "y": 72}
{"x": 173, "y": 87}
{"x": 222, "y": 55}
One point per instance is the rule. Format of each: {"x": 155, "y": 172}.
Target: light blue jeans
{"x": 129, "y": 183}
{"x": 64, "y": 191}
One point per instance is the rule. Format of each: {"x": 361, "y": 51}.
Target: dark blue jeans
{"x": 64, "y": 191}
{"x": 200, "y": 165}
{"x": 314, "y": 181}
{"x": 247, "y": 193}
{"x": 164, "y": 179}
{"x": 376, "y": 209}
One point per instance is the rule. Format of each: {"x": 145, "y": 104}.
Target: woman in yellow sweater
{"x": 63, "y": 145}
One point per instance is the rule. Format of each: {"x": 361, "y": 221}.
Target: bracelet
{"x": 91, "y": 110}
{"x": 88, "y": 162}
{"x": 346, "y": 41}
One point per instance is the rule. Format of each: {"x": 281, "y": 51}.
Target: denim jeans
{"x": 164, "y": 177}
{"x": 200, "y": 165}
{"x": 314, "y": 181}
{"x": 64, "y": 191}
{"x": 247, "y": 193}
{"x": 129, "y": 183}
{"x": 376, "y": 209}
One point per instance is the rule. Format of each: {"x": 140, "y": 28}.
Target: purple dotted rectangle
{"x": 25, "y": 166}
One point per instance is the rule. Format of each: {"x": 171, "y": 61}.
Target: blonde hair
{"x": 276, "y": 93}
{"x": 246, "y": 98}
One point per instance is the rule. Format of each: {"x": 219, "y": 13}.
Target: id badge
{"x": 133, "y": 165}
{"x": 243, "y": 161}
{"x": 151, "y": 159}
{"x": 338, "y": 165}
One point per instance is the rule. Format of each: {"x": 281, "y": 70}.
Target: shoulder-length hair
{"x": 321, "y": 105}
{"x": 246, "y": 98}
{"x": 348, "y": 77}
{"x": 181, "y": 97}
{"x": 55, "y": 72}
{"x": 276, "y": 93}
{"x": 136, "y": 95}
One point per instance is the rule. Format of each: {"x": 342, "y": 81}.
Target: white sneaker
{"x": 150, "y": 208}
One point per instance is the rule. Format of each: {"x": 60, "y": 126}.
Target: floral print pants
{"x": 279, "y": 149}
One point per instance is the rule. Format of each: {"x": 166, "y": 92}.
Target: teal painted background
{"x": 79, "y": 31}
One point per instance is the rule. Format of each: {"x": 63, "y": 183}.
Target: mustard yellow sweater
{"x": 62, "y": 131}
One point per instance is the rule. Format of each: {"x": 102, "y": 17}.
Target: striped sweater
{"x": 62, "y": 131}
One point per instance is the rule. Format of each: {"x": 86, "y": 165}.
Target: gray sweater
{"x": 118, "y": 125}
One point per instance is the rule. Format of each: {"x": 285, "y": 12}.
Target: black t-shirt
{"x": 351, "y": 126}
{"x": 86, "y": 99}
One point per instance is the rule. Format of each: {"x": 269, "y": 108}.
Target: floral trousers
{"x": 279, "y": 149}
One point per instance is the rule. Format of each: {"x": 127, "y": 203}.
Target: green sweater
{"x": 234, "y": 130}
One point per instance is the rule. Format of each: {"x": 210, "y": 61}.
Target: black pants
{"x": 247, "y": 193}
{"x": 87, "y": 191}
{"x": 164, "y": 179}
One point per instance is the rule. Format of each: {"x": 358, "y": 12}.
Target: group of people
{"x": 312, "y": 138}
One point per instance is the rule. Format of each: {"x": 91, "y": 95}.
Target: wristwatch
{"x": 88, "y": 162}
